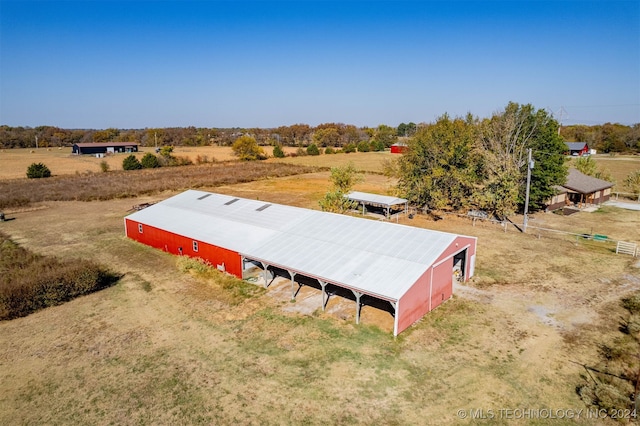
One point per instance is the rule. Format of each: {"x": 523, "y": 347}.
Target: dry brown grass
{"x": 164, "y": 347}
{"x": 127, "y": 184}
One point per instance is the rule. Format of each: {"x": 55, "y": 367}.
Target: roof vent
{"x": 259, "y": 209}
{"x": 231, "y": 201}
{"x": 204, "y": 196}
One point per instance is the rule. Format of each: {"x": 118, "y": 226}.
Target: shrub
{"x": 349, "y": 148}
{"x": 278, "y": 152}
{"x": 377, "y": 146}
{"x": 246, "y": 148}
{"x": 364, "y": 146}
{"x": 301, "y": 152}
{"x": 38, "y": 170}
{"x": 149, "y": 161}
{"x": 30, "y": 282}
{"x": 104, "y": 166}
{"x": 329, "y": 150}
{"x": 166, "y": 150}
{"x": 313, "y": 149}
{"x": 131, "y": 163}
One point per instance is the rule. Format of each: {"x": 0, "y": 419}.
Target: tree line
{"x": 323, "y": 135}
{"x": 606, "y": 138}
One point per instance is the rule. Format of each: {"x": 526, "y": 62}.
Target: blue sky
{"x": 137, "y": 64}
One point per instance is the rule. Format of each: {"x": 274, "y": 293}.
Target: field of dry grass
{"x": 164, "y": 346}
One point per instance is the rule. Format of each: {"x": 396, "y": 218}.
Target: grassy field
{"x": 164, "y": 346}
{"x": 14, "y": 162}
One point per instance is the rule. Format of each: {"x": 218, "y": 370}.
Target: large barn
{"x": 410, "y": 270}
{"x": 104, "y": 147}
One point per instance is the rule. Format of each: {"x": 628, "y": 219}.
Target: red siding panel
{"x": 178, "y": 244}
{"x": 414, "y": 303}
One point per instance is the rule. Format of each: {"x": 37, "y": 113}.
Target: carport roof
{"x": 375, "y": 199}
{"x": 378, "y": 258}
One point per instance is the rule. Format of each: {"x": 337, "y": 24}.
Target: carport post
{"x": 324, "y": 293}
{"x": 358, "y": 295}
{"x": 293, "y": 292}
{"x": 266, "y": 274}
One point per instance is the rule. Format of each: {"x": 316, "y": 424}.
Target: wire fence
{"x": 627, "y": 195}
{"x": 598, "y": 241}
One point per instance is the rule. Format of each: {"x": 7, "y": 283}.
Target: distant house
{"x": 398, "y": 148}
{"x": 104, "y": 147}
{"x": 580, "y": 190}
{"x": 577, "y": 148}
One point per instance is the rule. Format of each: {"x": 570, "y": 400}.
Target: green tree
{"x": 364, "y": 146}
{"x": 278, "y": 152}
{"x": 313, "y": 149}
{"x": 327, "y": 136}
{"x": 506, "y": 138}
{"x": 37, "y": 171}
{"x": 131, "y": 163}
{"x": 386, "y": 135}
{"x": 106, "y": 135}
{"x": 342, "y": 178}
{"x": 349, "y": 148}
{"x": 632, "y": 182}
{"x": 149, "y": 161}
{"x": 406, "y": 129}
{"x": 588, "y": 166}
{"x": 438, "y": 170}
{"x": 247, "y": 149}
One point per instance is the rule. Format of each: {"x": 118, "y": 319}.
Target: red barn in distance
{"x": 398, "y": 148}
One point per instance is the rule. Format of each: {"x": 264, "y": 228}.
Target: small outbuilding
{"x": 409, "y": 270}
{"x": 104, "y": 147}
{"x": 398, "y": 148}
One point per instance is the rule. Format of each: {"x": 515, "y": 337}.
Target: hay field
{"x": 165, "y": 347}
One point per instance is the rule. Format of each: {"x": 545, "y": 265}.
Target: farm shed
{"x": 577, "y": 148}
{"x": 398, "y": 148}
{"x": 103, "y": 148}
{"x": 378, "y": 202}
{"x": 408, "y": 270}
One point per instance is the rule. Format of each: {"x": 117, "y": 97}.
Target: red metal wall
{"x": 170, "y": 242}
{"x": 398, "y": 149}
{"x": 414, "y": 304}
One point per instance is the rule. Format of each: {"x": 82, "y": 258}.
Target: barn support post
{"x": 358, "y": 295}
{"x": 293, "y": 292}
{"x": 395, "y": 305}
{"x": 265, "y": 267}
{"x": 324, "y": 294}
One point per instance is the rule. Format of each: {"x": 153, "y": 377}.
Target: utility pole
{"x": 526, "y": 200}
{"x": 36, "y": 142}
{"x": 560, "y": 123}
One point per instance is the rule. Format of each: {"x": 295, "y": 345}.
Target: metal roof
{"x": 104, "y": 144}
{"x": 576, "y": 146}
{"x": 383, "y": 200}
{"x": 377, "y": 258}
